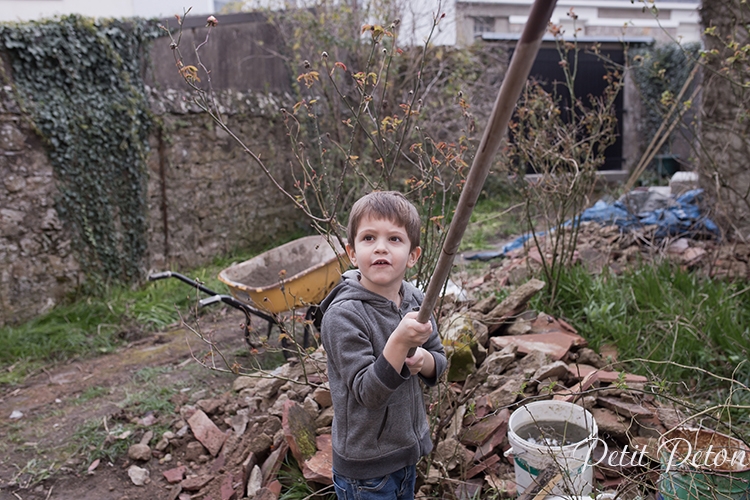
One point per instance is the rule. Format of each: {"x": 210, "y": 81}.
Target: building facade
{"x": 663, "y": 21}
{"x": 611, "y": 24}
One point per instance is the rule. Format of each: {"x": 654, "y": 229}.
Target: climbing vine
{"x": 79, "y": 81}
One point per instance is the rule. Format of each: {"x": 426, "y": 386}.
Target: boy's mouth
{"x": 381, "y": 262}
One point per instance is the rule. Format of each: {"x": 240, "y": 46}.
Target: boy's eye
{"x": 395, "y": 238}
{"x": 367, "y": 237}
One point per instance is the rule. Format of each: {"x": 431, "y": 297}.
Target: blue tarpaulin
{"x": 682, "y": 217}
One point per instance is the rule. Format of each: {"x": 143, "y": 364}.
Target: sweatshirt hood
{"x": 349, "y": 288}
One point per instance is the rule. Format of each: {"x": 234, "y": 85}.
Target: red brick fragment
{"x": 195, "y": 483}
{"x": 491, "y": 460}
{"x": 174, "y": 476}
{"x": 206, "y": 432}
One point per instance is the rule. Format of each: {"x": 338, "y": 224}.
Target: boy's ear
{"x": 414, "y": 256}
{"x": 352, "y": 254}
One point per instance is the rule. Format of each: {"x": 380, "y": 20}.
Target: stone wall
{"x": 205, "y": 194}
{"x": 725, "y": 129}
{"x": 37, "y": 266}
{"x": 206, "y": 197}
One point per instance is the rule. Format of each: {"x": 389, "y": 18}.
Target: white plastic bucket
{"x": 530, "y": 459}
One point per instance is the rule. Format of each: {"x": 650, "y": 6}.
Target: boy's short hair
{"x": 389, "y": 205}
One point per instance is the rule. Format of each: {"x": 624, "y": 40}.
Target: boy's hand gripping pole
{"x": 518, "y": 71}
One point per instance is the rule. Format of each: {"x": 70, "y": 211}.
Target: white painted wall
{"x": 417, "y": 21}
{"x": 26, "y": 10}
{"x": 168, "y": 8}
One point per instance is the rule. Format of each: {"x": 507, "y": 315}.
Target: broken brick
{"x": 274, "y": 487}
{"x": 194, "y": 483}
{"x": 497, "y": 439}
{"x": 515, "y": 302}
{"x": 556, "y": 345}
{"x": 273, "y": 463}
{"x": 227, "y": 488}
{"x": 607, "y": 377}
{"x": 174, "y": 476}
{"x": 206, "y": 432}
{"x": 491, "y": 460}
{"x": 299, "y": 429}
{"x": 624, "y": 408}
{"x": 319, "y": 467}
{"x": 482, "y": 431}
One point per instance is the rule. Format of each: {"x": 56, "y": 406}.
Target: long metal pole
{"x": 518, "y": 71}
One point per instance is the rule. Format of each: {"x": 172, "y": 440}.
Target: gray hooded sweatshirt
{"x": 380, "y": 423}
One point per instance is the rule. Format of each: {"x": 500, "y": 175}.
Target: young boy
{"x": 380, "y": 427}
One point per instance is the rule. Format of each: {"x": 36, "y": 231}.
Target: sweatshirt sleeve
{"x": 352, "y": 362}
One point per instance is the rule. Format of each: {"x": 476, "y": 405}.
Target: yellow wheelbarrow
{"x": 297, "y": 274}
{"x": 292, "y": 276}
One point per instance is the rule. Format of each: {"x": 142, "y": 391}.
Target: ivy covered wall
{"x": 105, "y": 177}
{"x": 78, "y": 82}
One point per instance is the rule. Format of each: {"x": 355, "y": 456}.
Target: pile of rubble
{"x": 502, "y": 355}
{"x": 601, "y": 248}
{"x": 644, "y": 225}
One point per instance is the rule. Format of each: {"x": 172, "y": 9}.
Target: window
{"x": 483, "y": 25}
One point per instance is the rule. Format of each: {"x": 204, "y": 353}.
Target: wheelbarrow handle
{"x": 214, "y": 296}
{"x": 183, "y": 278}
{"x": 237, "y": 304}
{"x": 210, "y": 300}
{"x": 160, "y": 276}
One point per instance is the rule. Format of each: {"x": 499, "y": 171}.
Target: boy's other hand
{"x": 416, "y": 362}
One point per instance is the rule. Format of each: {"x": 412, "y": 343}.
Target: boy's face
{"x": 382, "y": 252}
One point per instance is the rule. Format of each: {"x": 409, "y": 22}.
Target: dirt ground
{"x": 57, "y": 401}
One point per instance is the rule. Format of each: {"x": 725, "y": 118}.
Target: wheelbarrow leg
{"x": 313, "y": 319}
{"x": 288, "y": 347}
{"x": 248, "y": 335}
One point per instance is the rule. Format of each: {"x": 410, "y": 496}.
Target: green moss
{"x": 306, "y": 443}
{"x": 462, "y": 362}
